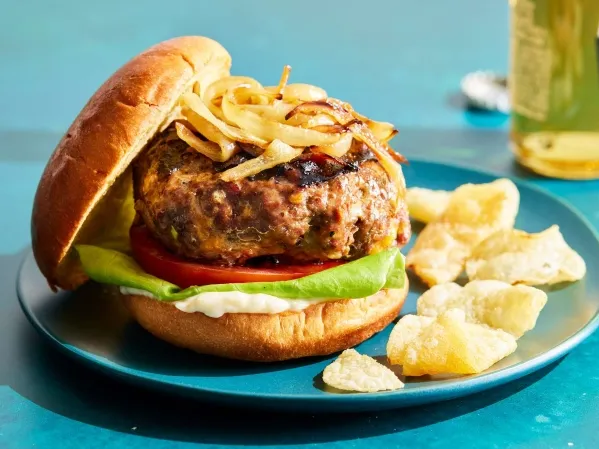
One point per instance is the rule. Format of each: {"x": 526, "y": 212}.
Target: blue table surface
{"x": 400, "y": 61}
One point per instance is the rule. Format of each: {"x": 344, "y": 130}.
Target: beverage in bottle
{"x": 554, "y": 86}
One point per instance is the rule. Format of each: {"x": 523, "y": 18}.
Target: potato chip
{"x": 494, "y": 204}
{"x": 517, "y": 257}
{"x": 440, "y": 250}
{"x": 513, "y": 309}
{"x": 475, "y": 211}
{"x": 425, "y": 205}
{"x": 446, "y": 344}
{"x": 353, "y": 371}
{"x": 407, "y": 329}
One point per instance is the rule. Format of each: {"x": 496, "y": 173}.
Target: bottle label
{"x": 531, "y": 63}
{"x": 554, "y": 81}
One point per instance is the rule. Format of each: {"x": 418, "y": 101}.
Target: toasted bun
{"x": 320, "y": 329}
{"x": 113, "y": 127}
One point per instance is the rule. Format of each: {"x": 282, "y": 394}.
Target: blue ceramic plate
{"x": 93, "y": 326}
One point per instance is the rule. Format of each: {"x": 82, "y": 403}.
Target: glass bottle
{"x": 554, "y": 86}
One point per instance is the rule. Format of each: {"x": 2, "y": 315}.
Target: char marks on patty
{"x": 313, "y": 208}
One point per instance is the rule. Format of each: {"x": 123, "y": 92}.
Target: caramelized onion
{"x": 208, "y": 149}
{"x": 284, "y": 79}
{"x": 198, "y": 106}
{"x": 337, "y": 149}
{"x": 276, "y": 153}
{"x": 205, "y": 80}
{"x": 217, "y": 89}
{"x": 325, "y": 107}
{"x": 309, "y": 121}
{"x": 270, "y": 130}
{"x": 251, "y": 95}
{"x": 212, "y": 133}
{"x": 303, "y": 92}
{"x": 276, "y": 123}
{"x": 334, "y": 128}
{"x": 276, "y": 111}
{"x": 383, "y": 153}
{"x": 381, "y": 130}
{"x": 360, "y": 130}
{"x": 364, "y": 134}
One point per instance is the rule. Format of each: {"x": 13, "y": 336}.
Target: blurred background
{"x": 396, "y": 60}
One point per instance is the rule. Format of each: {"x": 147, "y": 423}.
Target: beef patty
{"x": 312, "y": 209}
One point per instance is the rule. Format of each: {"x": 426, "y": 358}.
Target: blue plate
{"x": 92, "y": 326}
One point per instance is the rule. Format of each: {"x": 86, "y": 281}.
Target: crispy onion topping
{"x": 278, "y": 123}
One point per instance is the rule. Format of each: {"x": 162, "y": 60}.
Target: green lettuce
{"x": 357, "y": 279}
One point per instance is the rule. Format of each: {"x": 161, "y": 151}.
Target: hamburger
{"x": 242, "y": 221}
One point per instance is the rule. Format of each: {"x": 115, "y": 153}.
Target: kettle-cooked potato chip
{"x": 425, "y": 205}
{"x": 474, "y": 212}
{"x": 513, "y": 309}
{"x": 353, "y": 371}
{"x": 518, "y": 257}
{"x": 446, "y": 344}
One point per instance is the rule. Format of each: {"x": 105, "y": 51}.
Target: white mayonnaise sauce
{"x": 216, "y": 304}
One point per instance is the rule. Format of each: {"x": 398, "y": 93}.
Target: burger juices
{"x": 250, "y": 222}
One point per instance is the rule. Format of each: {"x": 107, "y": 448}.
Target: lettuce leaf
{"x": 357, "y": 279}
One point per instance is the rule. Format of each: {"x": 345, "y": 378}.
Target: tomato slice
{"x": 157, "y": 261}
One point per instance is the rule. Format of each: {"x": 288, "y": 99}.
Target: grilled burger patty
{"x": 314, "y": 208}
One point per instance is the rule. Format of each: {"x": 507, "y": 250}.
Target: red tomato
{"x": 156, "y": 260}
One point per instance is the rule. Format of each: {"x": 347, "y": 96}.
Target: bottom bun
{"x": 320, "y": 329}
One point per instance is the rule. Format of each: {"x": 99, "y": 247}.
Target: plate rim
{"x": 386, "y": 399}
